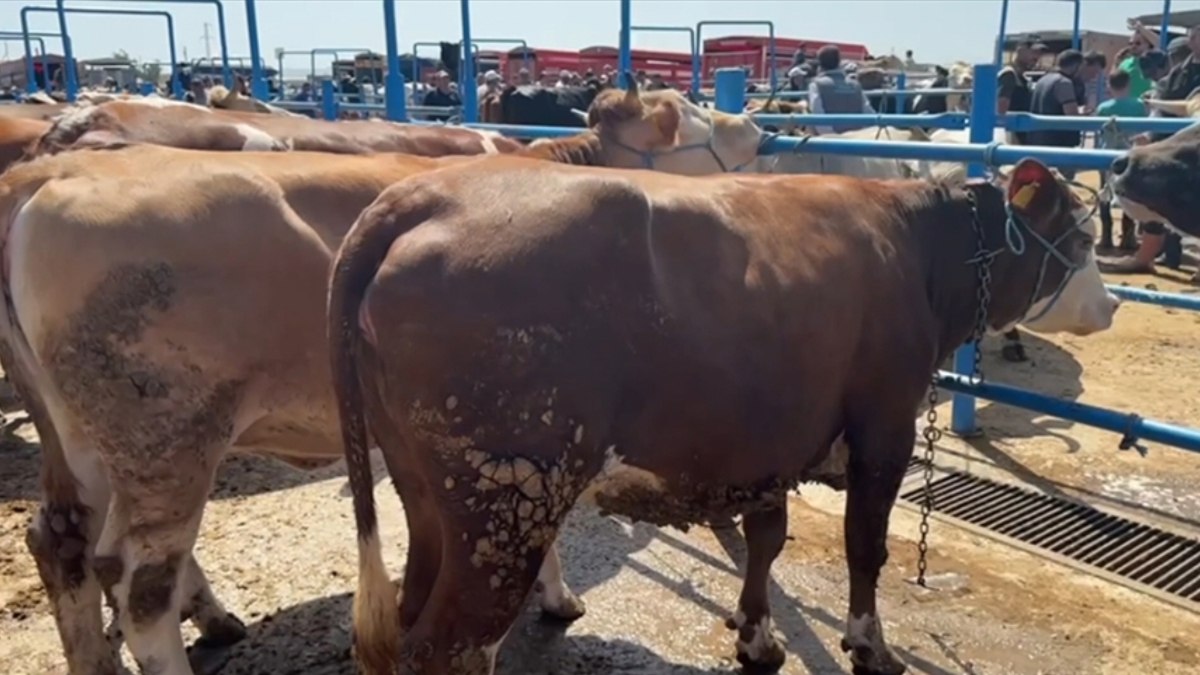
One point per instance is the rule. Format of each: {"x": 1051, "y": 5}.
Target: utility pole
{"x": 207, "y": 42}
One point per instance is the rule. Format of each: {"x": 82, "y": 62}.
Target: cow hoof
{"x": 568, "y": 610}
{"x": 1014, "y": 352}
{"x": 223, "y": 632}
{"x": 868, "y": 661}
{"x": 769, "y": 659}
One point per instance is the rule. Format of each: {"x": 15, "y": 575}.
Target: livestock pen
{"x": 657, "y": 597}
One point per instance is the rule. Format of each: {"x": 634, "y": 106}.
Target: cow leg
{"x": 879, "y": 453}
{"x": 146, "y": 548}
{"x": 218, "y": 627}
{"x": 484, "y": 579}
{"x": 559, "y": 603}
{"x": 758, "y": 650}
{"x": 61, "y": 539}
{"x": 424, "y": 558}
{"x": 1013, "y": 350}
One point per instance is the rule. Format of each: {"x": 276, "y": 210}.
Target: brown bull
{"x": 673, "y": 349}
{"x": 165, "y": 307}
{"x": 183, "y": 125}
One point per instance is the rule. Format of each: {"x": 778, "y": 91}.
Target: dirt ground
{"x": 278, "y": 547}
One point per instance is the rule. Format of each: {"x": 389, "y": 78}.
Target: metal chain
{"x": 932, "y": 434}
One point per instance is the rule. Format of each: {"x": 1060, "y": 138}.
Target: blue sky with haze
{"x": 938, "y": 30}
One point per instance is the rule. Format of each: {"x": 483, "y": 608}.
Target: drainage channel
{"x": 1156, "y": 561}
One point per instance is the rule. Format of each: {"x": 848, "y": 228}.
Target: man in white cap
{"x": 491, "y": 84}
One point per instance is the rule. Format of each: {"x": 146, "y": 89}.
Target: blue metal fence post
{"x": 329, "y": 101}
{"x": 901, "y": 97}
{"x": 394, "y": 79}
{"x": 1164, "y": 38}
{"x": 28, "y": 38}
{"x": 69, "y": 80}
{"x": 1076, "y": 38}
{"x": 1000, "y": 37}
{"x": 730, "y": 94}
{"x": 625, "y": 42}
{"x": 983, "y": 129}
{"x": 470, "y": 92}
{"x": 258, "y": 85}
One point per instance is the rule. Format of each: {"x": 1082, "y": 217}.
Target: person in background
{"x": 1014, "y": 93}
{"x": 349, "y": 89}
{"x": 524, "y": 77}
{"x": 491, "y": 84}
{"x": 909, "y": 61}
{"x": 831, "y": 92}
{"x": 657, "y": 83}
{"x": 1057, "y": 94}
{"x": 1087, "y": 82}
{"x": 442, "y": 96}
{"x": 1180, "y": 82}
{"x": 936, "y": 103}
{"x": 1122, "y": 104}
{"x": 304, "y": 94}
{"x": 797, "y": 79}
{"x": 1129, "y": 59}
{"x": 198, "y": 93}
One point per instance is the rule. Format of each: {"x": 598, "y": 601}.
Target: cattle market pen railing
{"x": 981, "y": 154}
{"x": 70, "y": 73}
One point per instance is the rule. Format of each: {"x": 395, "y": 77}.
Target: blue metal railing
{"x": 976, "y": 153}
{"x": 68, "y": 60}
{"x": 773, "y": 77}
{"x": 72, "y": 83}
{"x": 1129, "y": 425}
{"x": 691, "y": 33}
{"x": 31, "y": 72}
{"x": 1011, "y": 121}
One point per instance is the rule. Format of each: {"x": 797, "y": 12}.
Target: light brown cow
{"x": 183, "y": 125}
{"x": 18, "y": 136}
{"x": 166, "y": 306}
{"x": 33, "y": 111}
{"x": 674, "y": 349}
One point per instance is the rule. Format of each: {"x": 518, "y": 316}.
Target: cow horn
{"x": 580, "y": 114}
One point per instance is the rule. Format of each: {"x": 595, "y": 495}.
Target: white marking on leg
{"x": 759, "y": 647}
{"x": 865, "y": 631}
{"x": 157, "y": 644}
{"x": 555, "y": 593}
{"x": 493, "y": 650}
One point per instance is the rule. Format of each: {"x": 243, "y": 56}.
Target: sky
{"x": 940, "y": 31}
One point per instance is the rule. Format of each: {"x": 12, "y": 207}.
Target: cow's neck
{"x": 944, "y": 227}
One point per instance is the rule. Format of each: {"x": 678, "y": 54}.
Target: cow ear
{"x": 666, "y": 118}
{"x": 1033, "y": 190}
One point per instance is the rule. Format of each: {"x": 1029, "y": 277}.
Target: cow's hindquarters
{"x": 121, "y": 424}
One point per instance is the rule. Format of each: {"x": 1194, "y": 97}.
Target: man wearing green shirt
{"x": 1138, "y": 82}
{"x": 1125, "y": 101}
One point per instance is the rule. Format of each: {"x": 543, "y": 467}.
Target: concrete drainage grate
{"x": 1149, "y": 557}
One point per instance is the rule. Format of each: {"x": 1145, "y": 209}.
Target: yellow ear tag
{"x": 1025, "y": 195}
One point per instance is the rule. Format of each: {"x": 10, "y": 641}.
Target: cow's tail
{"x": 376, "y": 613}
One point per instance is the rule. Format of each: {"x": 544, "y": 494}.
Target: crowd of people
{"x": 1139, "y": 72}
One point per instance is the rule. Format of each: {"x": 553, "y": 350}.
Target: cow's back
{"x": 717, "y": 304}
{"x": 206, "y": 270}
